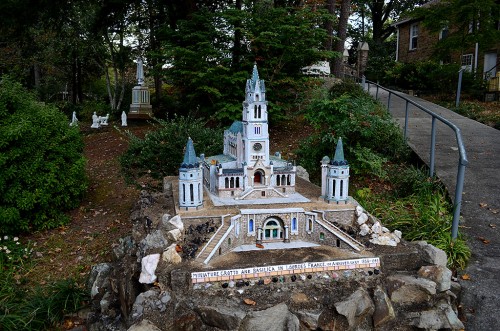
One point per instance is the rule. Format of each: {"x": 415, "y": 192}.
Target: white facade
{"x": 190, "y": 180}
{"x": 246, "y": 169}
{"x": 335, "y": 176}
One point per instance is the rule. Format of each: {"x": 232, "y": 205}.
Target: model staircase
{"x": 251, "y": 189}
{"x": 212, "y": 243}
{"x": 342, "y": 235}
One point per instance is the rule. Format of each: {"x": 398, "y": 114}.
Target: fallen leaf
{"x": 484, "y": 240}
{"x": 249, "y": 302}
{"x": 483, "y": 204}
{"x": 465, "y": 277}
{"x": 494, "y": 211}
{"x": 493, "y": 226}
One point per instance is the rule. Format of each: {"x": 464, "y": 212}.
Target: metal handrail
{"x": 463, "y": 161}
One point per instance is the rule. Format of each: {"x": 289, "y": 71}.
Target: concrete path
{"x": 480, "y": 204}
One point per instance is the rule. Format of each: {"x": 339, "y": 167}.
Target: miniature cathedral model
{"x": 246, "y": 170}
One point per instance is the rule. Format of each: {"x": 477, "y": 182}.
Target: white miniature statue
{"x": 124, "y": 118}
{"x": 140, "y": 72}
{"x": 95, "y": 121}
{"x": 74, "y": 120}
{"x": 103, "y": 120}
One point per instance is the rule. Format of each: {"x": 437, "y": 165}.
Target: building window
{"x": 251, "y": 228}
{"x": 321, "y": 236}
{"x": 294, "y": 224}
{"x": 467, "y": 62}
{"x": 309, "y": 225}
{"x": 413, "y": 36}
{"x": 443, "y": 33}
{"x": 257, "y": 129}
{"x": 183, "y": 192}
{"x": 191, "y": 191}
{"x": 259, "y": 113}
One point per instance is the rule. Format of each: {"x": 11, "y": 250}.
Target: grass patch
{"x": 25, "y": 308}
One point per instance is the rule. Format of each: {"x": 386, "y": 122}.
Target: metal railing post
{"x": 376, "y": 93}
{"x": 457, "y": 204}
{"x": 405, "y": 133}
{"x": 433, "y": 147}
{"x": 389, "y": 101}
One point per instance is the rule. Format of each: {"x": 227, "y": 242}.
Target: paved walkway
{"x": 480, "y": 204}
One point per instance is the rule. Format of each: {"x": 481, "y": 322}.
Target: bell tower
{"x": 255, "y": 121}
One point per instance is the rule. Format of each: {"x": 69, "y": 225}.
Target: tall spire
{"x": 255, "y": 75}
{"x": 189, "y": 155}
{"x": 339, "y": 159}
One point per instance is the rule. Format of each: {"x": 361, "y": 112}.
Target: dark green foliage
{"x": 42, "y": 169}
{"x": 369, "y": 134}
{"x": 425, "y": 76}
{"x": 38, "y": 309}
{"x": 418, "y": 207}
{"x": 209, "y": 83}
{"x": 161, "y": 152}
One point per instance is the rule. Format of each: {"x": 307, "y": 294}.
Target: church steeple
{"x": 339, "y": 159}
{"x": 190, "y": 180}
{"x": 190, "y": 158}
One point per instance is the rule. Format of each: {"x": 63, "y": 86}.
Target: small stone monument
{"x": 95, "y": 121}
{"x": 74, "y": 120}
{"x": 124, "y": 118}
{"x": 140, "y": 107}
{"x": 103, "y": 120}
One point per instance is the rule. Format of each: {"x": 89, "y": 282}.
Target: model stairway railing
{"x": 339, "y": 233}
{"x": 213, "y": 241}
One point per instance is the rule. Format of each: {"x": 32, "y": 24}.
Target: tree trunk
{"x": 237, "y": 52}
{"x": 330, "y": 6}
{"x": 342, "y": 34}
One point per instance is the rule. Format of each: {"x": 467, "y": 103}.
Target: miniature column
{"x": 287, "y": 235}
{"x": 259, "y": 235}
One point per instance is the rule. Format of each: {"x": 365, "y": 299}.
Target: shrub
{"x": 369, "y": 134}
{"x": 42, "y": 169}
{"x": 161, "y": 151}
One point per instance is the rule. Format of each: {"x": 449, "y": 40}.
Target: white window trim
{"x": 412, "y": 36}
{"x": 467, "y": 66}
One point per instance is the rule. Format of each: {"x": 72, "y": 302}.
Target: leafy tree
{"x": 468, "y": 23}
{"x": 42, "y": 169}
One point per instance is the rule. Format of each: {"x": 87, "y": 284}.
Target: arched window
{"x": 183, "y": 192}
{"x": 231, "y": 183}
{"x": 334, "y": 187}
{"x": 226, "y": 183}
{"x": 341, "y": 188}
{"x": 309, "y": 225}
{"x": 259, "y": 114}
{"x": 257, "y": 97}
{"x": 294, "y": 224}
{"x": 321, "y": 236}
{"x": 199, "y": 192}
{"x": 191, "y": 189}
{"x": 255, "y": 111}
{"x": 278, "y": 180}
{"x": 251, "y": 226}
{"x": 283, "y": 180}
{"x": 237, "y": 181}
{"x": 229, "y": 241}
{"x": 338, "y": 242}
{"x": 288, "y": 180}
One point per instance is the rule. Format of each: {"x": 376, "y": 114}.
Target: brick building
{"x": 416, "y": 43}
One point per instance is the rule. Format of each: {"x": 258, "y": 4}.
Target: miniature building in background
{"x": 140, "y": 106}
{"x": 190, "y": 180}
{"x": 246, "y": 170}
{"x": 335, "y": 176}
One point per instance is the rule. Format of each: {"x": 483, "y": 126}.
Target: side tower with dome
{"x": 335, "y": 176}
{"x": 190, "y": 180}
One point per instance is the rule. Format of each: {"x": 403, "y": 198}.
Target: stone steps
{"x": 342, "y": 235}
{"x": 213, "y": 242}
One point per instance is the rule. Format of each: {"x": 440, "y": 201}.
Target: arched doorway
{"x": 273, "y": 229}
{"x": 258, "y": 177}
